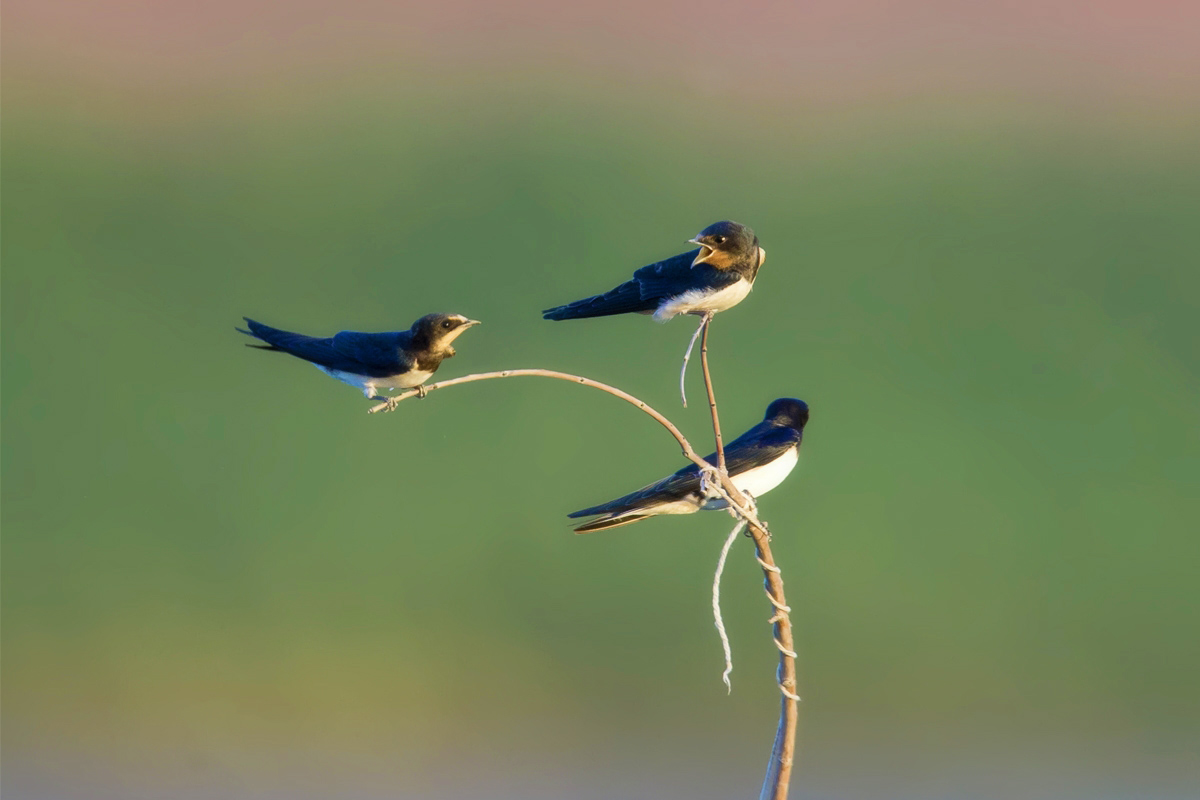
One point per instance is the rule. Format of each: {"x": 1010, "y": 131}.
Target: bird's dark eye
{"x": 719, "y": 239}
{"x": 447, "y": 324}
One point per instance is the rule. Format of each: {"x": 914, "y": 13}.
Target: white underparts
{"x": 760, "y": 480}
{"x": 700, "y": 300}
{"x": 370, "y": 386}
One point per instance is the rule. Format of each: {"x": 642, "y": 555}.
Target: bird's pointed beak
{"x": 471, "y": 322}
{"x": 705, "y": 254}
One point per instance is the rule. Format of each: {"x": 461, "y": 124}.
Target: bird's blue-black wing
{"x": 760, "y": 445}
{"x": 625, "y": 299}
{"x": 375, "y": 355}
{"x": 381, "y": 354}
{"x": 676, "y": 275}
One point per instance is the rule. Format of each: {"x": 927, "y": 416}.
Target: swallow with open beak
{"x": 371, "y": 362}
{"x": 713, "y": 278}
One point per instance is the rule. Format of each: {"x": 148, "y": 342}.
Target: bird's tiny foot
{"x": 386, "y": 403}
{"x": 422, "y": 391}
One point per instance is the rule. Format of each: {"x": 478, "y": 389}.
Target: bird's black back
{"x": 375, "y": 355}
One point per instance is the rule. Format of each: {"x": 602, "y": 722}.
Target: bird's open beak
{"x": 706, "y": 252}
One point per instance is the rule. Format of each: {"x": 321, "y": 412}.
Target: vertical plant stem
{"x": 783, "y": 752}
{"x": 712, "y": 400}
{"x": 779, "y": 768}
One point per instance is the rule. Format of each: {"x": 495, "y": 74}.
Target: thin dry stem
{"x": 708, "y": 387}
{"x": 779, "y": 768}
{"x": 688, "y": 451}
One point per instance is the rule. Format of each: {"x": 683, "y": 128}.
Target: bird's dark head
{"x": 437, "y": 331}
{"x": 727, "y": 244}
{"x": 788, "y": 411}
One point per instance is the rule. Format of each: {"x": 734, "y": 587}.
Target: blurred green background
{"x": 221, "y": 578}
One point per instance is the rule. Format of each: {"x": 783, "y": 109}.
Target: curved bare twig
{"x": 686, "y": 446}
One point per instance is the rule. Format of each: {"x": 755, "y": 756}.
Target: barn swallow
{"x": 372, "y": 361}
{"x": 713, "y": 278}
{"x": 757, "y": 461}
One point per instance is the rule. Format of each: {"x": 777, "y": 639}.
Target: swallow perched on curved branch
{"x": 372, "y": 361}
{"x": 713, "y": 278}
{"x": 757, "y": 461}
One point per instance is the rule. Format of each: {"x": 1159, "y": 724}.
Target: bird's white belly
{"x": 760, "y": 480}
{"x": 699, "y": 300}
{"x": 408, "y": 380}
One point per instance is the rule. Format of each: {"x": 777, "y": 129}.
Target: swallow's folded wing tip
{"x": 611, "y": 521}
